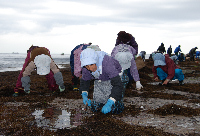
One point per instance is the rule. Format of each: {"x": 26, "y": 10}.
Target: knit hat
{"x": 88, "y": 57}
{"x": 159, "y": 59}
{"x": 124, "y": 59}
{"x": 42, "y": 63}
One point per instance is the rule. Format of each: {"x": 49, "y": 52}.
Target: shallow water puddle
{"x": 54, "y": 119}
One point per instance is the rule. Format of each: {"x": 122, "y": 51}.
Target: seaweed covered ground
{"x": 155, "y": 110}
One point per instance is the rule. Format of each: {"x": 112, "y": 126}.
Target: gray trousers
{"x": 102, "y": 90}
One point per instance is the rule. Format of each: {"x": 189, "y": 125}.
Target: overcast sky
{"x": 60, "y": 25}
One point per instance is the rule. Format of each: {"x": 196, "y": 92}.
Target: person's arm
{"x": 134, "y": 44}
{"x": 134, "y": 71}
{"x": 31, "y": 66}
{"x": 85, "y": 86}
{"x": 54, "y": 67}
{"x": 114, "y": 51}
{"x": 85, "y": 80}
{"x": 170, "y": 68}
{"x": 116, "y": 91}
{"x": 154, "y": 72}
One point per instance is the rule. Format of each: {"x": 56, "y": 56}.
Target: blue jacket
{"x": 181, "y": 58}
{"x": 197, "y": 53}
{"x": 177, "y": 49}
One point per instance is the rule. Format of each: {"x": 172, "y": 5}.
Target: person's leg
{"x": 179, "y": 75}
{"x": 19, "y": 87}
{"x": 118, "y": 107}
{"x": 51, "y": 82}
{"x": 102, "y": 91}
{"x": 125, "y": 81}
{"x": 130, "y": 77}
{"x": 191, "y": 57}
{"x": 161, "y": 74}
{"x": 74, "y": 82}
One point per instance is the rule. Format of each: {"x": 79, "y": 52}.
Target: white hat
{"x": 124, "y": 59}
{"x": 88, "y": 57}
{"x": 42, "y": 63}
{"x": 159, "y": 59}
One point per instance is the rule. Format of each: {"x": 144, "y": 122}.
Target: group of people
{"x": 110, "y": 74}
{"x": 178, "y": 53}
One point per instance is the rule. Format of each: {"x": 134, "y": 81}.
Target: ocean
{"x": 15, "y": 61}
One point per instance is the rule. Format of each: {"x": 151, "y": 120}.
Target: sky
{"x": 60, "y": 25}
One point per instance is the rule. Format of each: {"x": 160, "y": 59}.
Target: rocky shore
{"x": 155, "y": 110}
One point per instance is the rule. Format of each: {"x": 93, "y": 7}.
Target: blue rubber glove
{"x": 107, "y": 107}
{"x": 85, "y": 99}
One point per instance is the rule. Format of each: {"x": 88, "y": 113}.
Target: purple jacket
{"x": 133, "y": 68}
{"x": 110, "y": 68}
{"x": 110, "y": 71}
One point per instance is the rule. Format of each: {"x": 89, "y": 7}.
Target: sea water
{"x": 15, "y": 62}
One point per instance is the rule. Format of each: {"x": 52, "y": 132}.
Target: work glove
{"x": 27, "y": 91}
{"x": 85, "y": 98}
{"x": 61, "y": 90}
{"x": 15, "y": 94}
{"x": 107, "y": 107}
{"x": 138, "y": 85}
{"x": 59, "y": 81}
{"x": 135, "y": 57}
{"x": 26, "y": 83}
{"x": 122, "y": 71}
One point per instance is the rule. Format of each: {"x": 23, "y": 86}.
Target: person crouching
{"x": 39, "y": 58}
{"x": 165, "y": 69}
{"x": 108, "y": 87}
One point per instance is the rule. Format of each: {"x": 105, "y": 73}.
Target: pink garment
{"x": 77, "y": 62}
{"x": 50, "y": 78}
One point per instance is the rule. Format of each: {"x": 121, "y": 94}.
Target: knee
{"x": 159, "y": 70}
{"x": 178, "y": 71}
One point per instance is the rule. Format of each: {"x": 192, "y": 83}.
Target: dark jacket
{"x": 193, "y": 51}
{"x": 169, "y": 51}
{"x": 161, "y": 48}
